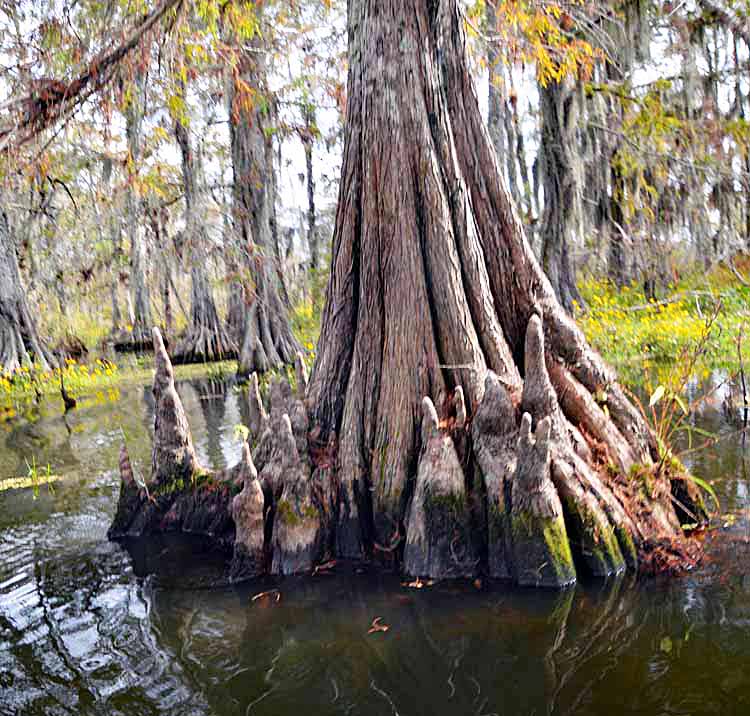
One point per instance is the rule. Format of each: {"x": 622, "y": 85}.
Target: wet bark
{"x": 20, "y": 343}
{"x": 267, "y": 340}
{"x": 450, "y": 383}
{"x": 207, "y": 338}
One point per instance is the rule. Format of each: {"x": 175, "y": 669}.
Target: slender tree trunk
{"x": 142, "y": 320}
{"x": 206, "y": 339}
{"x": 511, "y": 156}
{"x": 308, "y": 142}
{"x": 743, "y": 113}
{"x": 562, "y": 191}
{"x": 57, "y": 261}
{"x": 20, "y": 344}
{"x": 630, "y": 38}
{"x": 167, "y": 301}
{"x": 527, "y": 206}
{"x": 115, "y": 238}
{"x": 267, "y": 340}
{"x": 273, "y": 160}
{"x": 617, "y": 256}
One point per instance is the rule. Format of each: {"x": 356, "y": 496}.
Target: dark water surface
{"x": 87, "y": 629}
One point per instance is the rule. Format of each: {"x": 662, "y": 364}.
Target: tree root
{"x": 205, "y": 344}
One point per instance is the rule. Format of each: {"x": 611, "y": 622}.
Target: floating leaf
{"x": 377, "y": 626}
{"x": 417, "y": 584}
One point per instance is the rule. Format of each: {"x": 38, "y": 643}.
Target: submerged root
{"x": 529, "y": 485}
{"x": 205, "y": 344}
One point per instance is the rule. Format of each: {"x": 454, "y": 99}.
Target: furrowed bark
{"x": 473, "y": 287}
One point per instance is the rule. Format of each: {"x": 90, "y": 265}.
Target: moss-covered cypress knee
{"x": 438, "y": 533}
{"x": 541, "y": 551}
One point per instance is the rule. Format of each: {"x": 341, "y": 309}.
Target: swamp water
{"x": 87, "y": 628}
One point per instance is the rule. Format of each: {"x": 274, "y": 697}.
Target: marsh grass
{"x": 648, "y": 342}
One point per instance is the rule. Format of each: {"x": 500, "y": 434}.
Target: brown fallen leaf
{"x": 325, "y": 567}
{"x": 377, "y": 626}
{"x": 418, "y": 584}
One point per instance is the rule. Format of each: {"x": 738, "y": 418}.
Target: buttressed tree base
{"x": 456, "y": 422}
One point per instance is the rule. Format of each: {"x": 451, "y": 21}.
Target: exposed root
{"x": 206, "y": 339}
{"x": 267, "y": 339}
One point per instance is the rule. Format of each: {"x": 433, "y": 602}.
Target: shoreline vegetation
{"x": 695, "y": 322}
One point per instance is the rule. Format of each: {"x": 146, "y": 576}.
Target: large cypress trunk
{"x": 433, "y": 278}
{"x": 456, "y": 420}
{"x": 206, "y": 339}
{"x": 267, "y": 340}
{"x": 20, "y": 343}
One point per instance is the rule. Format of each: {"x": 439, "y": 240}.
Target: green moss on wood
{"x": 558, "y": 545}
{"x": 627, "y": 547}
{"x": 286, "y": 513}
{"x": 541, "y": 550}
{"x": 607, "y": 550}
{"x": 598, "y": 544}
{"x": 291, "y": 517}
{"x": 169, "y": 487}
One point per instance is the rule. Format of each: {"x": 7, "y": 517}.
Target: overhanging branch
{"x": 50, "y": 100}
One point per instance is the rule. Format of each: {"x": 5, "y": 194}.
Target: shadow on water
{"x": 86, "y": 628}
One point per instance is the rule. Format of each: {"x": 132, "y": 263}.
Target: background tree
{"x": 134, "y": 111}
{"x": 267, "y": 339}
{"x": 206, "y": 339}
{"x": 20, "y": 344}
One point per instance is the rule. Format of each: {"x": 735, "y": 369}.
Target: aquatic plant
{"x": 28, "y": 383}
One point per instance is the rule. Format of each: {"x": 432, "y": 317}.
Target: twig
{"x": 742, "y": 375}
